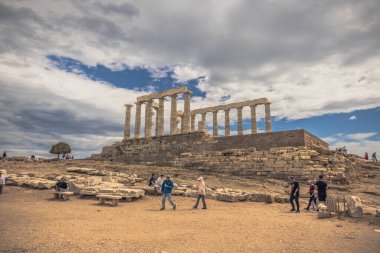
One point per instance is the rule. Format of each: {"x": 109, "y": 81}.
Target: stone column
{"x": 268, "y": 124}
{"x": 148, "y": 118}
{"x": 202, "y": 127}
{"x": 186, "y": 113}
{"x": 138, "y": 120}
{"x": 253, "y": 120}
{"x": 173, "y": 114}
{"x": 160, "y": 117}
{"x": 215, "y": 123}
{"x": 182, "y": 117}
{"x": 127, "y": 125}
{"x": 227, "y": 122}
{"x": 192, "y": 123}
{"x": 240, "y": 120}
{"x": 156, "y": 128}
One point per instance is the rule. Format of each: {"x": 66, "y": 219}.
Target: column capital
{"x": 128, "y": 105}
{"x": 187, "y": 92}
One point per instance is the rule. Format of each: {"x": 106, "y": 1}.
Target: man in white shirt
{"x": 157, "y": 185}
{"x": 2, "y": 182}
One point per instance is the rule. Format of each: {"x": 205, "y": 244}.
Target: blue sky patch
{"x": 138, "y": 78}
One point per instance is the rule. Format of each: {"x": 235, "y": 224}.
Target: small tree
{"x": 60, "y": 148}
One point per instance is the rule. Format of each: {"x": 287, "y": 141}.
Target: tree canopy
{"x": 60, "y": 148}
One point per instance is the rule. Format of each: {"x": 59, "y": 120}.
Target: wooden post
{"x": 338, "y": 207}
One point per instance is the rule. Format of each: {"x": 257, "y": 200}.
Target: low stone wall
{"x": 280, "y": 163}
{"x": 165, "y": 149}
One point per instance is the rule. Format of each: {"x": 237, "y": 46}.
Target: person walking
{"x": 312, "y": 198}
{"x": 294, "y": 194}
{"x": 365, "y": 156}
{"x": 201, "y": 193}
{"x": 374, "y": 158}
{"x": 166, "y": 188}
{"x": 322, "y": 189}
{"x": 2, "y": 182}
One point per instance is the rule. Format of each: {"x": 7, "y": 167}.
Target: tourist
{"x": 62, "y": 185}
{"x": 158, "y": 184}
{"x": 2, "y": 182}
{"x": 374, "y": 158}
{"x": 167, "y": 187}
{"x": 152, "y": 179}
{"x": 322, "y": 190}
{"x": 365, "y": 156}
{"x": 312, "y": 198}
{"x": 294, "y": 194}
{"x": 201, "y": 193}
{"x": 4, "y": 154}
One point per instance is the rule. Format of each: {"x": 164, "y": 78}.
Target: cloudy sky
{"x": 68, "y": 67}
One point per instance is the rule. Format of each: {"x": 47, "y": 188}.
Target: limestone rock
{"x": 75, "y": 187}
{"x": 355, "y": 208}
{"x": 325, "y": 215}
{"x": 258, "y": 197}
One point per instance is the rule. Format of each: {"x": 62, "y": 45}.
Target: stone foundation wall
{"x": 280, "y": 163}
{"x": 164, "y": 149}
{"x": 255, "y": 155}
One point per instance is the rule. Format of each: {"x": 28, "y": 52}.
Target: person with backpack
{"x": 312, "y": 198}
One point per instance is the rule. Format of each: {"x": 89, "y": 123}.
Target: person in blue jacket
{"x": 166, "y": 189}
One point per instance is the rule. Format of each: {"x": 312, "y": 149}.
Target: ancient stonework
{"x": 275, "y": 154}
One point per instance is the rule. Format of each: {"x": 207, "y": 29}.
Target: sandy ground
{"x": 31, "y": 222}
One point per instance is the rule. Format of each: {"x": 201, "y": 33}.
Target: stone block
{"x": 325, "y": 215}
{"x": 354, "y": 206}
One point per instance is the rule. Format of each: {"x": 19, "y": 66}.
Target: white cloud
{"x": 359, "y": 136}
{"x": 356, "y": 143}
{"x": 186, "y": 73}
{"x": 307, "y": 59}
{"x": 353, "y": 117}
{"x": 359, "y": 148}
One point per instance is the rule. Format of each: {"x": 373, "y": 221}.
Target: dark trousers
{"x": 203, "y": 201}
{"x": 1, "y": 189}
{"x": 292, "y": 198}
{"x": 311, "y": 200}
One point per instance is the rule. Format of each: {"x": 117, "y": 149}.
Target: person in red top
{"x": 312, "y": 198}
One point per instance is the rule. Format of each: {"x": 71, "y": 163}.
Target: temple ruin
{"x": 187, "y": 117}
{"x": 189, "y": 144}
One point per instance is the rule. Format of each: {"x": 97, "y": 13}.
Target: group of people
{"x": 374, "y": 158}
{"x": 67, "y": 156}
{"x": 166, "y": 187}
{"x": 342, "y": 150}
{"x": 320, "y": 193}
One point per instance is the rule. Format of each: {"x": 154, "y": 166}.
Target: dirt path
{"x": 30, "y": 222}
